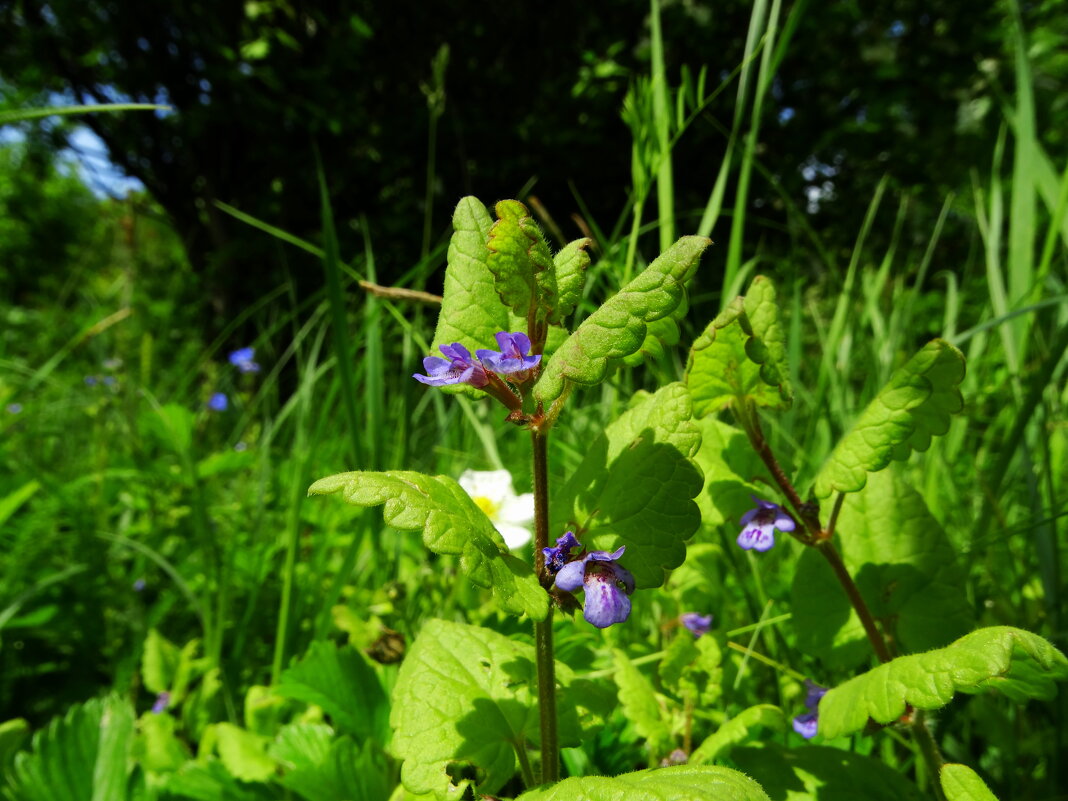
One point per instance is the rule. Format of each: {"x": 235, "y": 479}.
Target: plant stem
{"x": 543, "y": 630}
{"x": 524, "y": 763}
{"x": 834, "y": 559}
{"x": 932, "y": 757}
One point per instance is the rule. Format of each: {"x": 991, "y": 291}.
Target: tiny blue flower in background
{"x": 139, "y": 585}
{"x": 806, "y": 723}
{"x": 90, "y": 380}
{"x": 218, "y": 402}
{"x": 162, "y": 702}
{"x": 696, "y": 623}
{"x": 758, "y": 525}
{"x": 242, "y": 360}
{"x": 109, "y": 380}
{"x": 512, "y": 358}
{"x": 606, "y": 584}
{"x": 458, "y": 367}
{"x": 556, "y": 558}
{"x": 14, "y": 408}
{"x": 241, "y": 446}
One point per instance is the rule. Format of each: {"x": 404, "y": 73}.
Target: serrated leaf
{"x": 465, "y": 699}
{"x": 679, "y": 783}
{"x": 619, "y": 326}
{"x": 768, "y": 344}
{"x": 822, "y": 773}
{"x": 737, "y": 730}
{"x": 730, "y": 465}
{"x": 961, "y": 783}
{"x": 913, "y": 406}
{"x": 570, "y": 270}
{"x": 519, "y": 260}
{"x": 451, "y": 524}
{"x": 905, "y": 567}
{"x": 691, "y": 668}
{"x": 635, "y": 486}
{"x": 1016, "y": 663}
{"x": 346, "y": 687}
{"x": 721, "y": 370}
{"x": 81, "y": 756}
{"x": 159, "y": 662}
{"x": 320, "y": 767}
{"x": 243, "y": 753}
{"x": 641, "y": 707}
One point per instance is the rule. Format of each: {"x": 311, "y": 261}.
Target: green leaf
{"x": 463, "y": 703}
{"x": 729, "y": 463}
{"x": 570, "y": 269}
{"x": 721, "y": 370}
{"x": 243, "y": 753}
{"x": 210, "y": 781}
{"x": 346, "y": 687}
{"x": 158, "y": 750}
{"x": 321, "y": 768}
{"x": 519, "y": 260}
{"x": 79, "y": 757}
{"x": 738, "y": 729}
{"x": 12, "y": 734}
{"x": 905, "y": 567}
{"x": 635, "y": 486}
{"x": 822, "y": 773}
{"x": 961, "y": 783}
{"x": 471, "y": 311}
{"x": 768, "y": 344}
{"x": 914, "y": 406}
{"x": 641, "y": 707}
{"x": 691, "y": 668}
{"x": 619, "y": 326}
{"x": 159, "y": 662}
{"x": 451, "y": 524}
{"x": 679, "y": 783}
{"x": 1016, "y": 663}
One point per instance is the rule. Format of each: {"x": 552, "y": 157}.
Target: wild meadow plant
{"x": 474, "y": 708}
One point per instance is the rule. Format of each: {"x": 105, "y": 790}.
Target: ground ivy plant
{"x": 877, "y": 584}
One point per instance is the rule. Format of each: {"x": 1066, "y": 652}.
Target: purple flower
{"x": 758, "y": 525}
{"x": 218, "y": 402}
{"x": 242, "y": 360}
{"x": 14, "y": 408}
{"x": 806, "y": 723}
{"x": 139, "y": 585}
{"x": 606, "y": 584}
{"x": 512, "y": 358}
{"x": 163, "y": 700}
{"x": 556, "y": 558}
{"x": 697, "y": 624}
{"x": 90, "y": 380}
{"x": 456, "y": 368}
{"x": 109, "y": 380}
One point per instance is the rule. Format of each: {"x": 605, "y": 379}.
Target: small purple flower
{"x": 606, "y": 584}
{"x": 807, "y": 723}
{"x": 163, "y": 700}
{"x": 14, "y": 408}
{"x": 512, "y": 358}
{"x": 139, "y": 585}
{"x": 109, "y": 380}
{"x": 696, "y": 623}
{"x": 90, "y": 380}
{"x": 758, "y": 525}
{"x": 242, "y": 360}
{"x": 218, "y": 402}
{"x": 556, "y": 558}
{"x": 458, "y": 367}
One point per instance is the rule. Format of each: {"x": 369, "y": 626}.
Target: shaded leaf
{"x": 641, "y": 707}
{"x": 346, "y": 687}
{"x": 905, "y": 567}
{"x": 913, "y": 406}
{"x": 737, "y": 730}
{"x": 320, "y": 767}
{"x": 767, "y": 347}
{"x": 730, "y": 465}
{"x": 691, "y": 668}
{"x": 961, "y": 783}
{"x": 635, "y": 486}
{"x": 619, "y": 326}
{"x": 451, "y": 524}
{"x": 680, "y": 783}
{"x": 1016, "y": 663}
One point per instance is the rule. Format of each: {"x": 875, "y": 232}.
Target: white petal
{"x": 514, "y": 536}
{"x": 493, "y": 484}
{"x": 518, "y": 509}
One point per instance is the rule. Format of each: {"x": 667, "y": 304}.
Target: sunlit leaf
{"x": 159, "y": 662}
{"x": 619, "y": 326}
{"x": 905, "y": 567}
{"x": 243, "y": 753}
{"x": 342, "y": 770}
{"x": 570, "y": 270}
{"x": 742, "y": 727}
{"x": 680, "y": 783}
{"x": 767, "y": 347}
{"x": 451, "y": 523}
{"x": 913, "y": 406}
{"x": 641, "y": 707}
{"x": 519, "y": 260}
{"x": 691, "y": 668}
{"x": 961, "y": 783}
{"x": 1016, "y": 663}
{"x": 635, "y": 486}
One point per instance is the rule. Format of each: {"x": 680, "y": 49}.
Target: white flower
{"x": 510, "y": 514}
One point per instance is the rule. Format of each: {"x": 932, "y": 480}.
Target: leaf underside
{"x": 914, "y": 406}
{"x": 452, "y": 524}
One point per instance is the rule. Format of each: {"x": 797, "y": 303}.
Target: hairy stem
{"x": 543, "y": 630}
{"x": 834, "y": 559}
{"x": 932, "y": 757}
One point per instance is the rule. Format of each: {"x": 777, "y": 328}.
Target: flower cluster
{"x": 242, "y": 360}
{"x": 459, "y": 367}
{"x": 759, "y": 525}
{"x": 606, "y": 583}
{"x": 806, "y": 723}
